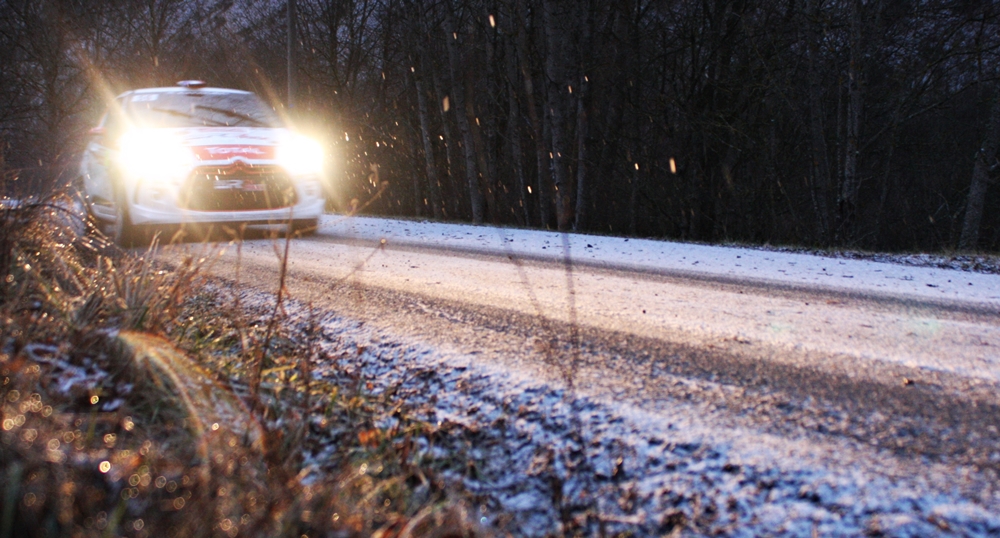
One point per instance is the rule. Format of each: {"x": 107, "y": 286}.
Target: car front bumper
{"x": 164, "y": 203}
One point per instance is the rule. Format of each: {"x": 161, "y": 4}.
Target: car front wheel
{"x": 123, "y": 232}
{"x": 304, "y": 227}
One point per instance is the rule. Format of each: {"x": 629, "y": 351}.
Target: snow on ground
{"x": 640, "y": 472}
{"x": 651, "y": 471}
{"x": 862, "y": 277}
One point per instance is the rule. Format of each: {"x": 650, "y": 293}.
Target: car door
{"x": 98, "y": 160}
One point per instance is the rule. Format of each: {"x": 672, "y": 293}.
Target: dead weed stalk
{"x": 123, "y": 414}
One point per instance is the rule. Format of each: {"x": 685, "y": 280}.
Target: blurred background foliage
{"x": 867, "y": 124}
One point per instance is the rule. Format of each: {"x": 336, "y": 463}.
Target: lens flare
{"x": 155, "y": 154}
{"x": 300, "y": 155}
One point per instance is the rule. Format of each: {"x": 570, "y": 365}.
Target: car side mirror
{"x": 97, "y": 131}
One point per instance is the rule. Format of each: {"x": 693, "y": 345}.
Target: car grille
{"x": 238, "y": 187}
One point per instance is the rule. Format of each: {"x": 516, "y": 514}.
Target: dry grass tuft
{"x": 124, "y": 390}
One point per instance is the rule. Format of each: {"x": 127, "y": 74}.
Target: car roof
{"x": 182, "y": 90}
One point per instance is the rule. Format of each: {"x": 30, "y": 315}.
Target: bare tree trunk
{"x": 539, "y": 134}
{"x": 820, "y": 185}
{"x": 555, "y": 17}
{"x": 514, "y": 134}
{"x": 985, "y": 159}
{"x": 612, "y": 101}
{"x": 57, "y": 101}
{"x": 485, "y": 175}
{"x": 423, "y": 109}
{"x": 451, "y": 153}
{"x": 582, "y": 124}
{"x": 450, "y": 174}
{"x": 851, "y": 183}
{"x": 433, "y": 181}
{"x": 772, "y": 172}
{"x": 859, "y": 36}
{"x": 418, "y": 192}
{"x": 545, "y": 180}
{"x": 633, "y": 201}
{"x": 582, "y": 185}
{"x": 636, "y": 142}
{"x": 485, "y": 152}
{"x": 290, "y": 15}
{"x": 885, "y": 188}
{"x": 461, "y": 115}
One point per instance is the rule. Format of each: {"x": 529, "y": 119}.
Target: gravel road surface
{"x": 615, "y": 386}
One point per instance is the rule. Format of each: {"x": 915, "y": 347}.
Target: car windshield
{"x": 201, "y": 109}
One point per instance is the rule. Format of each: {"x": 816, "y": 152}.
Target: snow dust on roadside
{"x": 545, "y": 458}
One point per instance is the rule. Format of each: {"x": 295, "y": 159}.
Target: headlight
{"x": 300, "y": 155}
{"x": 154, "y": 154}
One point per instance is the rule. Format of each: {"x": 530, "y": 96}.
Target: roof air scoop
{"x": 192, "y": 84}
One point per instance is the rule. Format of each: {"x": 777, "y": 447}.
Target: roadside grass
{"x": 137, "y": 401}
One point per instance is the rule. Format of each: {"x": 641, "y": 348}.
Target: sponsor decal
{"x": 227, "y": 184}
{"x": 237, "y": 185}
{"x": 223, "y": 152}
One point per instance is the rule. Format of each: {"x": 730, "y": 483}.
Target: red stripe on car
{"x": 222, "y": 152}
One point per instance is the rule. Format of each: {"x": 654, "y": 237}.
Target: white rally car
{"x": 196, "y": 155}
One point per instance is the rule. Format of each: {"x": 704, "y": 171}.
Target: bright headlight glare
{"x": 300, "y": 155}
{"x": 154, "y": 154}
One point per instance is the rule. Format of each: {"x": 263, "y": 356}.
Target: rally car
{"x": 194, "y": 155}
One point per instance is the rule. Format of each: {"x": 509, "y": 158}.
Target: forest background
{"x": 866, "y": 124}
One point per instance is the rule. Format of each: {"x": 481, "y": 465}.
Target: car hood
{"x": 228, "y": 143}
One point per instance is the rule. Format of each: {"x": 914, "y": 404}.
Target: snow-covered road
{"x": 845, "y": 313}
{"x": 793, "y": 393}
{"x": 743, "y": 265}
